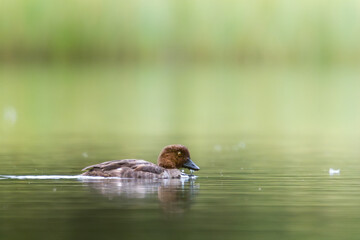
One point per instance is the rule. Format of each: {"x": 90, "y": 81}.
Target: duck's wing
{"x": 130, "y": 163}
{"x": 151, "y": 168}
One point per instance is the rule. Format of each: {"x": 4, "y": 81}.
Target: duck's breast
{"x": 171, "y": 173}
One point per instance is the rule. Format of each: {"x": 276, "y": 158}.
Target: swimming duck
{"x": 170, "y": 159}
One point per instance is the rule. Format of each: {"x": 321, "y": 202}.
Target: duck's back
{"x": 126, "y": 168}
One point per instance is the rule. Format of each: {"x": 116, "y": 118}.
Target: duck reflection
{"x": 174, "y": 195}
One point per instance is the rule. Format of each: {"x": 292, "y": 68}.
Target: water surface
{"x": 249, "y": 187}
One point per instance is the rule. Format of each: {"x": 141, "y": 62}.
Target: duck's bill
{"x": 191, "y": 165}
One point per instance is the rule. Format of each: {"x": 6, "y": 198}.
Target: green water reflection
{"x": 268, "y": 188}
{"x": 264, "y": 138}
{"x": 158, "y": 99}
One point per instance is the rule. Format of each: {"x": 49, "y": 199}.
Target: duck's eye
{"x": 179, "y": 153}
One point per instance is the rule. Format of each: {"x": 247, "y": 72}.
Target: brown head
{"x": 176, "y": 156}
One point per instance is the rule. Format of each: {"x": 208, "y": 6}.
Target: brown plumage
{"x": 170, "y": 159}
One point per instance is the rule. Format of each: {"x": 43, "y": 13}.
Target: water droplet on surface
{"x": 334, "y": 171}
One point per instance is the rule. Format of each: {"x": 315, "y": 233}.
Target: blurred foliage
{"x": 198, "y": 31}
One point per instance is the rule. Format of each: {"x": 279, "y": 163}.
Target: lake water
{"x": 265, "y": 138}
{"x": 249, "y": 187}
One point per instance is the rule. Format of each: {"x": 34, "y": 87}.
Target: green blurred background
{"x": 198, "y": 67}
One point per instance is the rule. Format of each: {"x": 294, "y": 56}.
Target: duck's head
{"x": 176, "y": 156}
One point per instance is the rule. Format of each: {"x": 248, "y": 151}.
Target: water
{"x": 177, "y": 100}
{"x": 269, "y": 141}
{"x": 268, "y": 188}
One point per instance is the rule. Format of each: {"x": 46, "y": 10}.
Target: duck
{"x": 170, "y": 159}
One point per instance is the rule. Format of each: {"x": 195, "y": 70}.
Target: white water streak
{"x": 79, "y": 177}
